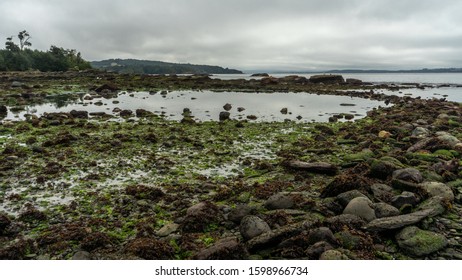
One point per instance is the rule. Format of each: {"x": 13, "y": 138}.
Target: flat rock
{"x": 339, "y": 222}
{"x": 400, "y": 221}
{"x": 315, "y": 167}
{"x": 167, "y": 229}
{"x": 253, "y": 226}
{"x": 361, "y": 207}
{"x": 226, "y": 249}
{"x": 280, "y": 201}
{"x": 419, "y": 242}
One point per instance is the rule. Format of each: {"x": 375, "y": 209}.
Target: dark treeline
{"x": 17, "y": 57}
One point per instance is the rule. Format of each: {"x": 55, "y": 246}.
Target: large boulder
{"x": 252, "y": 226}
{"x": 419, "y": 242}
{"x": 438, "y": 189}
{"x": 280, "y": 201}
{"x": 362, "y": 207}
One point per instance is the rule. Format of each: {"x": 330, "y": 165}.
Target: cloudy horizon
{"x": 249, "y": 35}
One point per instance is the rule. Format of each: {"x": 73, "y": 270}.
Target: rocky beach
{"x": 133, "y": 184}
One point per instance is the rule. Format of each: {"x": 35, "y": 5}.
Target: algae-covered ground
{"x": 141, "y": 186}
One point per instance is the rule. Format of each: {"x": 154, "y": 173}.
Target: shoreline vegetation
{"x": 137, "y": 186}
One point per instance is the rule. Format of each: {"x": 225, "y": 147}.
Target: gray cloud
{"x": 256, "y": 34}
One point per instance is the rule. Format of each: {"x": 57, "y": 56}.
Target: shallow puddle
{"x": 207, "y": 105}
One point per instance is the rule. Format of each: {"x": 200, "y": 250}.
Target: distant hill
{"x": 134, "y": 66}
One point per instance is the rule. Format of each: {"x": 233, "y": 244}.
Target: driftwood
{"x": 315, "y": 167}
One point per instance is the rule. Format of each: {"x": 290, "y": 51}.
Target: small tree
{"x": 10, "y": 45}
{"x": 24, "y": 38}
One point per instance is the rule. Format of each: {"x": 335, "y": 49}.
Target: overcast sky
{"x": 248, "y": 34}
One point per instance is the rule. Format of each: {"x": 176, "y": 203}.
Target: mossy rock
{"x": 364, "y": 155}
{"x": 423, "y": 157}
{"x": 444, "y": 154}
{"x": 384, "y": 167}
{"x": 417, "y": 242}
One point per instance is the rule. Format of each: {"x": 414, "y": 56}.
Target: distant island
{"x": 135, "y": 66}
{"x": 372, "y": 71}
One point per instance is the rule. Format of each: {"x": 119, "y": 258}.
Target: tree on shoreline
{"x": 20, "y": 58}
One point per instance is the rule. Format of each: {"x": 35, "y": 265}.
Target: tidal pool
{"x": 207, "y": 105}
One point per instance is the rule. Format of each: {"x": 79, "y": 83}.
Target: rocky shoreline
{"x": 384, "y": 187}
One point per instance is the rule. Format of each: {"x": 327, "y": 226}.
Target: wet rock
{"x": 167, "y": 229}
{"x": 284, "y": 111}
{"x": 4, "y": 223}
{"x": 16, "y": 84}
{"x": 252, "y": 226}
{"x": 417, "y": 242}
{"x": 252, "y": 117}
{"x": 240, "y": 211}
{"x": 384, "y": 167}
{"x": 383, "y": 210}
{"x": 382, "y": 192}
{"x": 435, "y": 205}
{"x": 225, "y": 249}
{"x": 227, "y": 107}
{"x": 333, "y": 119}
{"x": 82, "y": 256}
{"x": 107, "y": 88}
{"x": 447, "y": 139}
{"x": 240, "y": 109}
{"x": 32, "y": 215}
{"x": 315, "y": 167}
{"x": 200, "y": 216}
{"x": 79, "y": 114}
{"x": 400, "y": 221}
{"x": 280, "y": 201}
{"x": 224, "y": 116}
{"x": 420, "y": 132}
{"x": 399, "y": 201}
{"x": 333, "y": 255}
{"x": 3, "y": 110}
{"x": 361, "y": 207}
{"x": 346, "y": 197}
{"x": 126, "y": 113}
{"x": 337, "y": 223}
{"x": 314, "y": 251}
{"x": 274, "y": 237}
{"x": 327, "y": 79}
{"x": 408, "y": 174}
{"x": 141, "y": 113}
{"x": 438, "y": 189}
{"x": 321, "y": 234}
{"x": 144, "y": 192}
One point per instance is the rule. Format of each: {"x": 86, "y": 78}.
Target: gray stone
{"x": 408, "y": 174}
{"x": 447, "y": 139}
{"x": 227, "y": 107}
{"x": 82, "y": 255}
{"x": 252, "y": 226}
{"x": 382, "y": 192}
{"x": 419, "y": 242}
{"x": 279, "y": 201}
{"x": 383, "y": 210}
{"x": 399, "y": 201}
{"x": 333, "y": 255}
{"x": 315, "y": 250}
{"x": 16, "y": 84}
{"x": 420, "y": 132}
{"x": 167, "y": 229}
{"x": 436, "y": 206}
{"x": 438, "y": 189}
{"x": 361, "y": 207}
{"x": 346, "y": 197}
{"x": 384, "y": 167}
{"x": 400, "y": 221}
{"x": 240, "y": 211}
{"x": 321, "y": 234}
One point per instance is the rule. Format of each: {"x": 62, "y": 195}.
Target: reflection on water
{"x": 206, "y": 105}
